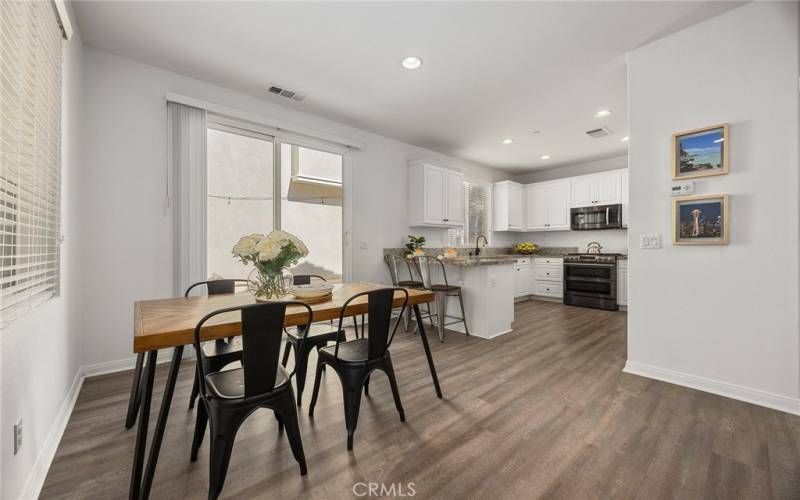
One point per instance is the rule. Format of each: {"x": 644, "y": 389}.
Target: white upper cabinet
{"x": 582, "y": 192}
{"x": 558, "y": 206}
{"x": 455, "y": 198}
{"x": 596, "y": 189}
{"x": 508, "y": 206}
{"x": 435, "y": 195}
{"x": 537, "y": 216}
{"x": 547, "y": 206}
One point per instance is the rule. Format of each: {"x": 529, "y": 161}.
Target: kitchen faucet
{"x": 477, "y": 240}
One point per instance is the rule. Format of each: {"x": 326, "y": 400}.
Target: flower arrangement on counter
{"x": 271, "y": 255}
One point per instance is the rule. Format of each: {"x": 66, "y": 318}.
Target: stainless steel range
{"x": 590, "y": 280}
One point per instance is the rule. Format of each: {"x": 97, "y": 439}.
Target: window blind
{"x": 476, "y": 215}
{"x": 30, "y": 156}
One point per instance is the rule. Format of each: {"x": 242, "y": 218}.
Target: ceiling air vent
{"x": 289, "y": 94}
{"x": 599, "y": 132}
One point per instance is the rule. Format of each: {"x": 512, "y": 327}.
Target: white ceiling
{"x": 491, "y": 70}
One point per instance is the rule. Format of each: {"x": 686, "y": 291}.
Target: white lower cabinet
{"x": 522, "y": 273}
{"x": 547, "y": 279}
{"x": 622, "y": 283}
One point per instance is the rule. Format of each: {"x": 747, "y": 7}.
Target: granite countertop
{"x": 490, "y": 256}
{"x": 496, "y": 260}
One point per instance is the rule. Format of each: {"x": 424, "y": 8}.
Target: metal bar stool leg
{"x": 463, "y": 313}
{"x": 441, "y": 308}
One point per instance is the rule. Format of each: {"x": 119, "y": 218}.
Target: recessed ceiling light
{"x": 507, "y": 141}
{"x": 412, "y": 62}
{"x": 545, "y": 157}
{"x": 602, "y": 113}
{"x": 624, "y": 139}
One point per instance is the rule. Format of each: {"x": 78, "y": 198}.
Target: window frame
{"x": 279, "y": 137}
{"x": 489, "y": 211}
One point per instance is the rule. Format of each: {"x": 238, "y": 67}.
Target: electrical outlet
{"x": 650, "y": 241}
{"x": 17, "y": 436}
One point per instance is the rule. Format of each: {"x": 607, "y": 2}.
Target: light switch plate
{"x": 650, "y": 241}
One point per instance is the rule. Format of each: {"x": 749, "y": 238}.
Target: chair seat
{"x": 410, "y": 283}
{"x": 229, "y": 384}
{"x": 353, "y": 351}
{"x": 317, "y": 330}
{"x": 445, "y": 288}
{"x": 223, "y": 348}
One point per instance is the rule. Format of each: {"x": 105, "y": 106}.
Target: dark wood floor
{"x": 543, "y": 412}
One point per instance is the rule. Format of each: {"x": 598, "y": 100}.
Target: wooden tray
{"x": 315, "y": 300}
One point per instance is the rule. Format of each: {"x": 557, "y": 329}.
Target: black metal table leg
{"x": 141, "y": 431}
{"x": 161, "y": 423}
{"x": 427, "y": 348}
{"x": 136, "y": 392}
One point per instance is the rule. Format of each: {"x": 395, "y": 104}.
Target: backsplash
{"x": 612, "y": 240}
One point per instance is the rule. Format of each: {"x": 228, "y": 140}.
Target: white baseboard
{"x": 121, "y": 365}
{"x": 35, "y": 481}
{"x": 733, "y": 391}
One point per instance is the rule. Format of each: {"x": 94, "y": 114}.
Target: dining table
{"x": 170, "y": 323}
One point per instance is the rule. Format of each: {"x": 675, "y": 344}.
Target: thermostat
{"x": 683, "y": 188}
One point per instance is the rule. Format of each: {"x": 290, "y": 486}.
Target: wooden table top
{"x": 165, "y": 323}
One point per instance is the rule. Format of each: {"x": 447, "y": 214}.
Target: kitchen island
{"x": 487, "y": 286}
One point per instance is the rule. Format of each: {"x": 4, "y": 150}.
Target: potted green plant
{"x": 415, "y": 244}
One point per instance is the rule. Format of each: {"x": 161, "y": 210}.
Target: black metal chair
{"x": 229, "y": 397}
{"x": 306, "y": 338}
{"x": 219, "y": 353}
{"x": 355, "y": 360}
{"x": 442, "y": 292}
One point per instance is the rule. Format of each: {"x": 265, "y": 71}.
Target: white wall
{"x": 582, "y": 168}
{"x": 612, "y": 240}
{"x": 41, "y": 352}
{"x": 128, "y": 234}
{"x": 720, "y": 318}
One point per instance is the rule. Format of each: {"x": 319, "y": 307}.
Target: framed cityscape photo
{"x": 700, "y": 153}
{"x": 700, "y": 220}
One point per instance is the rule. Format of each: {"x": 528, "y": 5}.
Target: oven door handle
{"x": 589, "y": 264}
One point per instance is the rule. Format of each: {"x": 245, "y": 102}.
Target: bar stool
{"x": 394, "y": 263}
{"x": 442, "y": 293}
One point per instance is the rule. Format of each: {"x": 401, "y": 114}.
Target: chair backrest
{"x": 262, "y": 331}
{"x": 216, "y": 287}
{"x": 391, "y": 263}
{"x": 379, "y": 317}
{"x": 305, "y": 279}
{"x": 423, "y": 264}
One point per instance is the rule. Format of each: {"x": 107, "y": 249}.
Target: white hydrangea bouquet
{"x": 271, "y": 255}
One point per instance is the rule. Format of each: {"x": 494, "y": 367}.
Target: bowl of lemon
{"x": 527, "y": 248}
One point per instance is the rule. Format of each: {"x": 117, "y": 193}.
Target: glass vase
{"x": 269, "y": 285}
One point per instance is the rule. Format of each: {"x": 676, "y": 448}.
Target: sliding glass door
{"x": 240, "y": 188}
{"x": 311, "y": 207}
{"x": 257, "y": 182}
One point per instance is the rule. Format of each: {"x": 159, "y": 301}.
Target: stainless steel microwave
{"x": 599, "y": 217}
